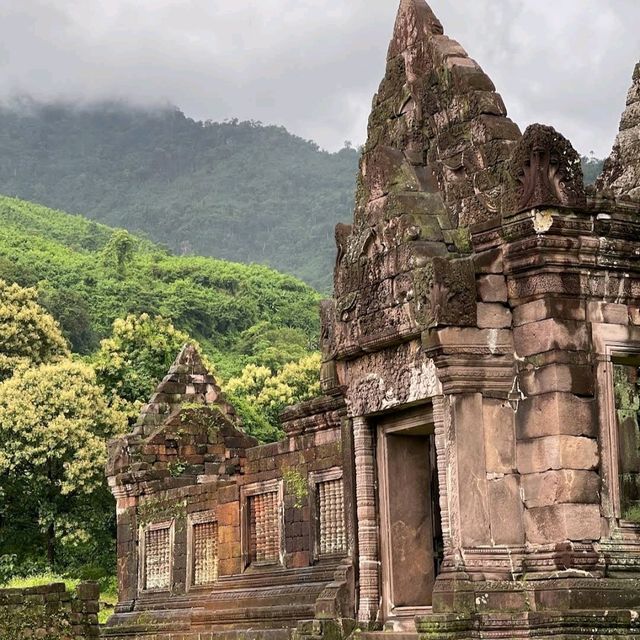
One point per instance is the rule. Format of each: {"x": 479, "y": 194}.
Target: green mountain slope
{"x": 88, "y": 275}
{"x": 237, "y": 190}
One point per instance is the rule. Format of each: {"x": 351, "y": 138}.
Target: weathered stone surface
{"x": 621, "y": 174}
{"x": 556, "y": 413}
{"x": 493, "y": 316}
{"x": 499, "y": 437}
{"x": 546, "y": 335}
{"x": 549, "y": 307}
{"x": 563, "y": 486}
{"x": 505, "y": 506}
{"x": 492, "y": 288}
{"x": 50, "y": 612}
{"x": 576, "y": 379}
{"x": 557, "y": 523}
{"x": 557, "y": 452}
{"x": 608, "y": 313}
{"x": 473, "y": 492}
{"x": 390, "y": 378}
{"x": 546, "y": 172}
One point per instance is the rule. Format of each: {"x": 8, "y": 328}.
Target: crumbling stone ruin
{"x": 50, "y": 612}
{"x": 473, "y": 467}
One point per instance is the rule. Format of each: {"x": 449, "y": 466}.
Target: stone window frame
{"x": 246, "y": 492}
{"x": 316, "y": 478}
{"x": 612, "y": 341}
{"x": 198, "y": 517}
{"x": 142, "y": 538}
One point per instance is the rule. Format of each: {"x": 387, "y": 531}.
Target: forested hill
{"x": 87, "y": 275}
{"x": 237, "y": 190}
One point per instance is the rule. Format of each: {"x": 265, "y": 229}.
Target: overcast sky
{"x": 313, "y": 65}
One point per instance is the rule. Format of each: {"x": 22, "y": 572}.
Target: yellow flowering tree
{"x": 54, "y": 423}
{"x": 133, "y": 361}
{"x": 260, "y": 396}
{"x": 28, "y": 334}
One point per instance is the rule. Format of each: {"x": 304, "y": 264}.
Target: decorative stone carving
{"x": 445, "y": 293}
{"x": 546, "y": 171}
{"x": 368, "y": 546}
{"x": 264, "y": 527}
{"x": 205, "y": 552}
{"x": 156, "y": 552}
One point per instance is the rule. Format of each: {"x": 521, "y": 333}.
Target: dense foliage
{"x": 235, "y": 190}
{"x": 137, "y": 355}
{"x": 54, "y": 422}
{"x": 106, "y": 288}
{"x": 88, "y": 275}
{"x": 28, "y": 335}
{"x": 259, "y": 395}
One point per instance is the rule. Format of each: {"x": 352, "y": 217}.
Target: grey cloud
{"x": 313, "y": 65}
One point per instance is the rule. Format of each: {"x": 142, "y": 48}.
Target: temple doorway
{"x": 410, "y": 526}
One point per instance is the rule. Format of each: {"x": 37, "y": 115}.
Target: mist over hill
{"x": 238, "y": 191}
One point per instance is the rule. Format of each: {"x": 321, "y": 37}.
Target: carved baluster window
{"x": 330, "y": 509}
{"x": 157, "y": 556}
{"x": 205, "y": 552}
{"x": 264, "y": 528}
{"x": 627, "y": 404}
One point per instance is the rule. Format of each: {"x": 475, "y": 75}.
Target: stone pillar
{"x": 368, "y": 553}
{"x": 127, "y": 549}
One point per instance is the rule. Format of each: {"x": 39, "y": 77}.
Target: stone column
{"x": 127, "y": 548}
{"x": 368, "y": 554}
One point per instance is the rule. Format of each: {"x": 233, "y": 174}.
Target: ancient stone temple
{"x": 473, "y": 469}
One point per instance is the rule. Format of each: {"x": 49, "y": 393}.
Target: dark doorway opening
{"x": 411, "y": 531}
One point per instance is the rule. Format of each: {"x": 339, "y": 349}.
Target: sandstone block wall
{"x": 49, "y": 612}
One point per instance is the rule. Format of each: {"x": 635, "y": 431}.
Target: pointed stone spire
{"x": 434, "y": 163}
{"x": 187, "y": 382}
{"x": 437, "y": 128}
{"x": 620, "y": 178}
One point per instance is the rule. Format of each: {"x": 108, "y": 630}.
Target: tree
{"x": 54, "y": 424}
{"x": 273, "y": 346}
{"x": 72, "y": 312}
{"x": 132, "y": 362}
{"x": 119, "y": 251}
{"x": 260, "y": 396}
{"x": 28, "y": 335}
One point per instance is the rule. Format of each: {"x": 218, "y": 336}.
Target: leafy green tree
{"x": 132, "y": 362}
{"x": 71, "y": 310}
{"x": 119, "y": 251}
{"x": 54, "y": 423}
{"x": 28, "y": 335}
{"x": 272, "y": 346}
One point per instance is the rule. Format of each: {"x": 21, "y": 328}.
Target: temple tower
{"x": 473, "y": 467}
{"x": 485, "y": 332}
